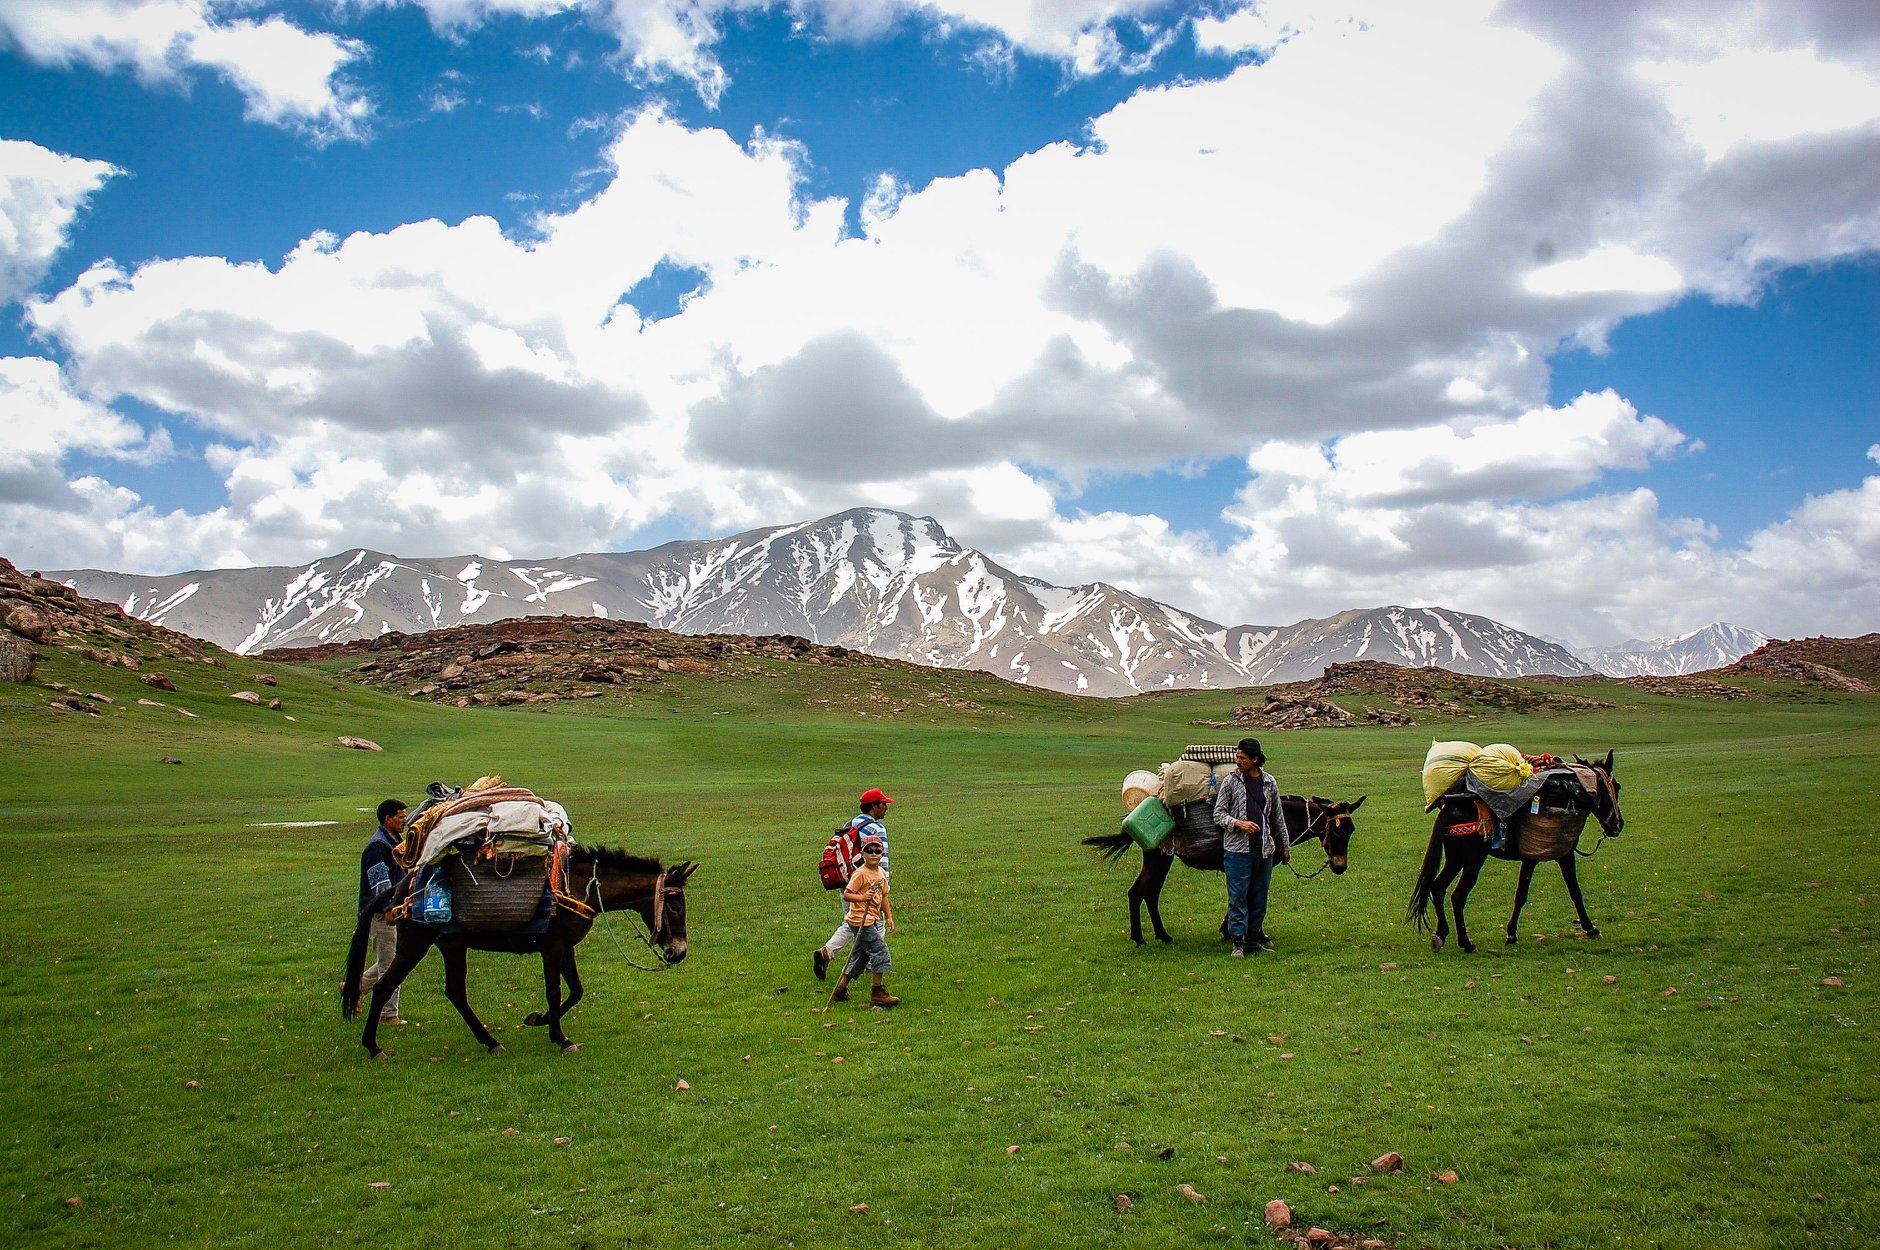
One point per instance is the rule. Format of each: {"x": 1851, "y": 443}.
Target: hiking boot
{"x": 840, "y": 994}
{"x": 879, "y": 997}
{"x": 1240, "y": 950}
{"x": 1263, "y": 943}
{"x": 819, "y": 963}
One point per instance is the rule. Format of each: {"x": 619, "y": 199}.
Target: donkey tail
{"x": 1113, "y": 845}
{"x": 1418, "y": 911}
{"x": 349, "y": 994}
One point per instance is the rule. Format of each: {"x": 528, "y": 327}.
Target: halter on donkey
{"x": 1458, "y": 850}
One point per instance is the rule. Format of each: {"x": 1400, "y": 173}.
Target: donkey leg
{"x": 1460, "y": 901}
{"x": 1439, "y": 891}
{"x": 1520, "y": 899}
{"x": 1572, "y": 874}
{"x": 1155, "y": 868}
{"x": 456, "y": 964}
{"x": 573, "y": 976}
{"x": 414, "y": 943}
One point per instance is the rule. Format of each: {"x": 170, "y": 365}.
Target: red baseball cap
{"x": 874, "y": 796}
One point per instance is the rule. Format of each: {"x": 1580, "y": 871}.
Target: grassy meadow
{"x": 158, "y": 930}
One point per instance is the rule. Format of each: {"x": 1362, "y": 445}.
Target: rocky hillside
{"x": 547, "y": 659}
{"x": 38, "y": 613}
{"x": 1830, "y": 663}
{"x": 1366, "y": 692}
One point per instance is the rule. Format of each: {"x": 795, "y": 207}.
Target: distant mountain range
{"x": 1713, "y": 646}
{"x": 868, "y": 579}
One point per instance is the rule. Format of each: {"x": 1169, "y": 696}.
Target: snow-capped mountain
{"x": 870, "y": 579}
{"x": 1713, "y": 646}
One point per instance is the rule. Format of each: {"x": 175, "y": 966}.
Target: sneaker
{"x": 840, "y": 994}
{"x": 819, "y": 963}
{"x": 879, "y": 997}
{"x": 1240, "y": 951}
{"x": 1263, "y": 943}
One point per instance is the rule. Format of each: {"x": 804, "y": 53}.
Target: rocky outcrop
{"x": 1851, "y": 664}
{"x": 537, "y": 659}
{"x": 36, "y": 612}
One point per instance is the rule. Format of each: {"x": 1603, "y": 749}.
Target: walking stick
{"x": 831, "y": 1000}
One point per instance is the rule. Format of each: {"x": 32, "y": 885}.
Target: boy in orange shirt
{"x": 869, "y": 910}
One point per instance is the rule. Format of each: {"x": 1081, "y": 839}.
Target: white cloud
{"x": 1346, "y": 265}
{"x": 662, "y": 39}
{"x": 287, "y": 76}
{"x": 41, "y": 193}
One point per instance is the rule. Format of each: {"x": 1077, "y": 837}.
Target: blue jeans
{"x": 1248, "y": 879}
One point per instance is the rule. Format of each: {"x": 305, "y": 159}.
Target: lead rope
{"x": 1310, "y": 819}
{"x": 646, "y": 938}
{"x": 1603, "y": 781}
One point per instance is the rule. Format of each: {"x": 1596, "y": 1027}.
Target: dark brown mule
{"x": 1316, "y": 819}
{"x": 604, "y": 880}
{"x": 1459, "y": 857}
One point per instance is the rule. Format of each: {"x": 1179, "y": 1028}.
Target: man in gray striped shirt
{"x": 1253, "y": 839}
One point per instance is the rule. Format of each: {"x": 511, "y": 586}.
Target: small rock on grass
{"x": 1390, "y": 1161}
{"x": 1189, "y": 1192}
{"x": 1278, "y": 1214}
{"x": 1320, "y": 1236}
{"x": 1011, "y": 1150}
{"x": 563, "y": 1141}
{"x": 378, "y": 1184}
{"x": 1448, "y": 1177}
{"x": 1305, "y": 1168}
{"x": 75, "y": 1203}
{"x": 860, "y": 1208}
{"x": 1124, "y": 1202}
{"x": 1831, "y": 982}
{"x": 683, "y": 1085}
{"x": 192, "y": 1084}
{"x": 510, "y": 1132}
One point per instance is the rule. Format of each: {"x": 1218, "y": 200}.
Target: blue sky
{"x": 1265, "y": 310}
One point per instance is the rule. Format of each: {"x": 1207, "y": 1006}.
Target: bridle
{"x": 649, "y": 937}
{"x": 1604, "y": 785}
{"x": 1324, "y": 815}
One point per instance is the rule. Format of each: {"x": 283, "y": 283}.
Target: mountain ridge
{"x": 869, "y": 579}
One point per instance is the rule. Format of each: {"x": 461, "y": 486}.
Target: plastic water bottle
{"x": 434, "y": 902}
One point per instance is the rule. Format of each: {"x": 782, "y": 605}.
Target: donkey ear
{"x": 689, "y": 867}
{"x": 1609, "y": 754}
{"x": 1579, "y": 759}
{"x": 1360, "y": 803}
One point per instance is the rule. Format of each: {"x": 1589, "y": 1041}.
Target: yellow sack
{"x": 1444, "y": 766}
{"x": 1501, "y": 767}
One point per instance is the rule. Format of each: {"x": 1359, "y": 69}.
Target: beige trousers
{"x": 385, "y": 948}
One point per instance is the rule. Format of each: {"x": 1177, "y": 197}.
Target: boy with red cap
{"x": 864, "y": 825}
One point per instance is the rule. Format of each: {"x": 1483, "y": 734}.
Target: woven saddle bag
{"x": 497, "y": 894}
{"x": 1550, "y": 833}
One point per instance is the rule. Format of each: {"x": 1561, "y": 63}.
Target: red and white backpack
{"x": 840, "y": 857}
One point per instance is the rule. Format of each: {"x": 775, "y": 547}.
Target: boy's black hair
{"x": 390, "y": 808}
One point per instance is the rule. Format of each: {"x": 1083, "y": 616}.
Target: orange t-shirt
{"x": 866, "y": 881}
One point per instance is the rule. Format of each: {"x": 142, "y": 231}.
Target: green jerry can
{"x": 1149, "y": 823}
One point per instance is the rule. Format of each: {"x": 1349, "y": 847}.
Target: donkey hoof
{"x": 1163, "y": 937}
{"x": 1592, "y": 933}
{"x": 497, "y": 1048}
{"x": 1436, "y": 943}
{"x": 534, "y": 1018}
{"x": 1467, "y": 948}
{"x": 382, "y": 1056}
{"x": 1512, "y": 939}
{"x": 568, "y": 1048}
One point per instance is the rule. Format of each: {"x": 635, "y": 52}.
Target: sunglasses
{"x": 871, "y": 850}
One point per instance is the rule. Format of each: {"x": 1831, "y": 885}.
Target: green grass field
{"x": 155, "y": 935}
